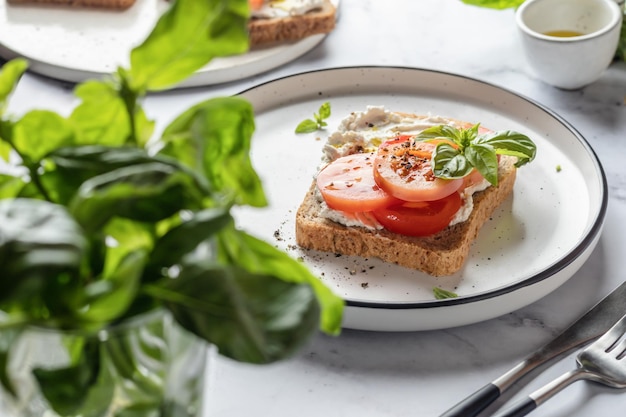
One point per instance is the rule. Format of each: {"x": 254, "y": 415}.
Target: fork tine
{"x": 619, "y": 348}
{"x": 608, "y": 340}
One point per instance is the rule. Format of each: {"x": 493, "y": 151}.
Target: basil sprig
{"x": 102, "y": 221}
{"x": 311, "y": 125}
{"x": 474, "y": 150}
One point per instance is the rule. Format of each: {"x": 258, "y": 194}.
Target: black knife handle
{"x": 475, "y": 403}
{"x": 519, "y": 409}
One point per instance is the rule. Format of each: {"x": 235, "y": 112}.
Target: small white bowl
{"x": 576, "y": 61}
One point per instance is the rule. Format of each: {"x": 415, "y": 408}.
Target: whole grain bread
{"x": 441, "y": 254}
{"x": 263, "y": 31}
{"x": 103, "y": 4}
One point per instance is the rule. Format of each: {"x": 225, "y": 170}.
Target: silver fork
{"x": 603, "y": 361}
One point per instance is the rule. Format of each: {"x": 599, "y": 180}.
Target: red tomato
{"x": 255, "y": 4}
{"x": 472, "y": 178}
{"x": 347, "y": 184}
{"x": 419, "y": 218}
{"x": 403, "y": 168}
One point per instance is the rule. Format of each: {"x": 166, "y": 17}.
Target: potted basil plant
{"x": 120, "y": 258}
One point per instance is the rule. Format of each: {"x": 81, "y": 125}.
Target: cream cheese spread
{"x": 364, "y": 132}
{"x": 285, "y": 8}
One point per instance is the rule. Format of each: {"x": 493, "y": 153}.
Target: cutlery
{"x": 592, "y": 324}
{"x": 602, "y": 361}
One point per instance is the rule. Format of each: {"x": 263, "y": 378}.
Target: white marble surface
{"x": 371, "y": 374}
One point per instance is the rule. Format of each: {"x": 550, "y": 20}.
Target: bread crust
{"x": 292, "y": 28}
{"x": 443, "y": 253}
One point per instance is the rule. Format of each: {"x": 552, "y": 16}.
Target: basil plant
{"x": 100, "y": 221}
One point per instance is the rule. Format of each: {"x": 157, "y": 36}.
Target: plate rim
{"x": 588, "y": 239}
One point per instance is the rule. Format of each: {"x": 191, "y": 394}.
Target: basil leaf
{"x": 512, "y": 143}
{"x": 101, "y": 117}
{"x": 441, "y": 294}
{"x": 250, "y": 317}
{"x": 495, "y": 4}
{"x": 449, "y": 163}
{"x": 187, "y": 37}
{"x": 148, "y": 192}
{"x": 9, "y": 337}
{"x": 483, "y": 157}
{"x": 306, "y": 126}
{"x": 67, "y": 388}
{"x": 10, "y": 186}
{"x": 324, "y": 111}
{"x": 39, "y": 132}
{"x": 108, "y": 298}
{"x": 39, "y": 240}
{"x": 441, "y": 131}
{"x": 6, "y": 136}
{"x": 67, "y": 168}
{"x": 259, "y": 257}
{"x": 10, "y": 74}
{"x": 128, "y": 351}
{"x": 213, "y": 139}
{"x": 184, "y": 238}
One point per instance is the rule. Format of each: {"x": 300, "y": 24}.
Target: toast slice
{"x": 443, "y": 253}
{"x": 102, "y": 4}
{"x": 263, "y": 31}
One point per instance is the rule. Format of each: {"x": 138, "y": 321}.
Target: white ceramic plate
{"x": 534, "y": 242}
{"x": 78, "y": 44}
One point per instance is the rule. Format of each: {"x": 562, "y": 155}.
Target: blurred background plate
{"x": 78, "y": 44}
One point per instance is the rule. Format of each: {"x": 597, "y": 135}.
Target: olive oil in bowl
{"x": 563, "y": 33}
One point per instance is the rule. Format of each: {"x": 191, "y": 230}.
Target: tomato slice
{"x": 347, "y": 184}
{"x": 419, "y": 218}
{"x": 255, "y": 4}
{"x": 472, "y": 178}
{"x": 403, "y": 168}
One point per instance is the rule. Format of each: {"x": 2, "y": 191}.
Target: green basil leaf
{"x": 66, "y": 388}
{"x": 10, "y": 74}
{"x": 148, "y": 192}
{"x": 186, "y": 38}
{"x": 324, "y": 111}
{"x": 6, "y": 138}
{"x": 495, "y": 4}
{"x": 101, "y": 117}
{"x": 449, "y": 163}
{"x": 39, "y": 132}
{"x": 213, "y": 139}
{"x": 39, "y": 241}
{"x": 441, "y": 294}
{"x": 512, "y": 143}
{"x": 131, "y": 349}
{"x": 67, "y": 168}
{"x": 108, "y": 298}
{"x": 125, "y": 236}
{"x": 306, "y": 126}
{"x": 183, "y": 239}
{"x": 10, "y": 186}
{"x": 441, "y": 131}
{"x": 483, "y": 157}
{"x": 9, "y": 337}
{"x": 260, "y": 257}
{"x": 250, "y": 317}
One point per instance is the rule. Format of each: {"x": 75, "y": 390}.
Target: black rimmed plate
{"x": 532, "y": 244}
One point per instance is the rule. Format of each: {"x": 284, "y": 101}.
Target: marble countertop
{"x": 384, "y": 374}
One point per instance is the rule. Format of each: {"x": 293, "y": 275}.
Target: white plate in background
{"x": 79, "y": 44}
{"x": 534, "y": 242}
